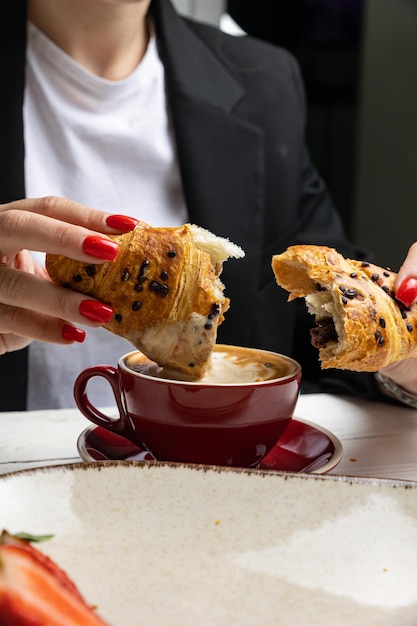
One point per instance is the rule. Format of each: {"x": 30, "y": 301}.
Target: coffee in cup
{"x": 234, "y": 415}
{"x": 231, "y": 366}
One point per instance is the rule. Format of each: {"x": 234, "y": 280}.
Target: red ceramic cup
{"x": 234, "y": 416}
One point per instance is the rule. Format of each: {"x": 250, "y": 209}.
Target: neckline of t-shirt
{"x": 80, "y": 77}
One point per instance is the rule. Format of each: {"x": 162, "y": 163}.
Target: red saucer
{"x": 304, "y": 447}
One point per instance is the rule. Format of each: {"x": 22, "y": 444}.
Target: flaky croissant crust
{"x": 165, "y": 290}
{"x": 353, "y": 298}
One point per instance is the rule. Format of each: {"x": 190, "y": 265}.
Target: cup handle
{"x": 118, "y": 425}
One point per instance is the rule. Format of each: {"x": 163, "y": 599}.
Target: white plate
{"x": 182, "y": 545}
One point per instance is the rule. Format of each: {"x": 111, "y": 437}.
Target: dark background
{"x": 326, "y": 37}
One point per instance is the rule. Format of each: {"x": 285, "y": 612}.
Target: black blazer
{"x": 238, "y": 111}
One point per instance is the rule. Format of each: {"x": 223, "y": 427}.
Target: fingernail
{"x": 121, "y": 222}
{"x": 100, "y": 247}
{"x": 96, "y": 311}
{"x": 71, "y": 333}
{"x": 407, "y": 292}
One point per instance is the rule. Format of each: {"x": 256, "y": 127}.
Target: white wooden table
{"x": 379, "y": 440}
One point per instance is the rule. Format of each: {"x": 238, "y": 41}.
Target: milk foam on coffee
{"x": 234, "y": 365}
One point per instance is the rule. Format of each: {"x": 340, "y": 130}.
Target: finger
{"x": 73, "y": 213}
{"x": 24, "y": 291}
{"x": 406, "y": 281}
{"x": 19, "y": 327}
{"x": 409, "y": 267}
{"x": 10, "y": 343}
{"x": 20, "y": 229}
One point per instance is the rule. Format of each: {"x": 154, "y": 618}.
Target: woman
{"x": 126, "y": 107}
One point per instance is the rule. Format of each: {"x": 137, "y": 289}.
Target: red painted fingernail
{"x": 121, "y": 222}
{"x": 100, "y": 247}
{"x": 407, "y": 292}
{"x": 71, "y": 333}
{"x": 96, "y": 311}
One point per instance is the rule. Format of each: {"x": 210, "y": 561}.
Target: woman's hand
{"x": 31, "y": 306}
{"x": 406, "y": 282}
{"x": 404, "y": 373}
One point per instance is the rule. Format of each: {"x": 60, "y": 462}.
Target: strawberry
{"x": 34, "y": 591}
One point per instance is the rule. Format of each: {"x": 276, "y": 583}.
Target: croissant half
{"x": 360, "y": 326}
{"x": 165, "y": 290}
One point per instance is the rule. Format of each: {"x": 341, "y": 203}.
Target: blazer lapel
{"x": 220, "y": 154}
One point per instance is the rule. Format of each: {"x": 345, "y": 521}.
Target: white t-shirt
{"x": 105, "y": 144}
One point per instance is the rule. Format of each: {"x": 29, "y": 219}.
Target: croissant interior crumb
{"x": 324, "y": 306}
